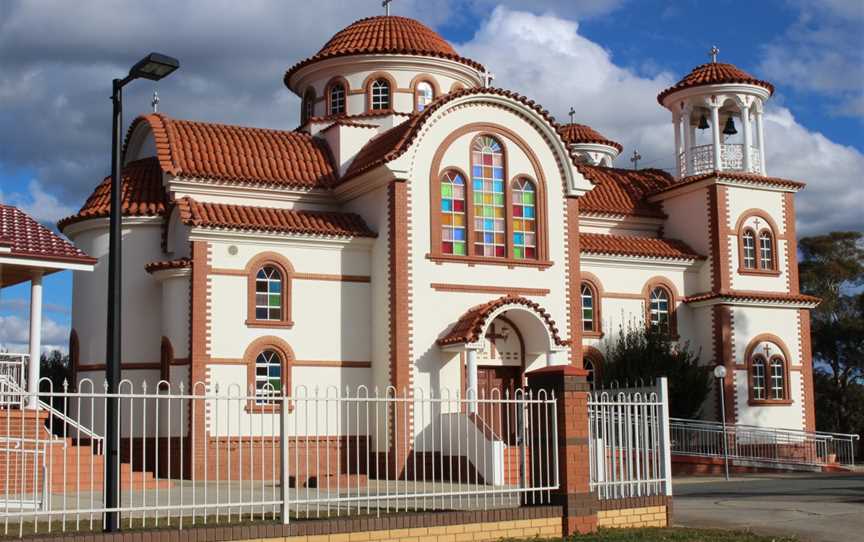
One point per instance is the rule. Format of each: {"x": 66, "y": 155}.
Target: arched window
{"x": 778, "y": 378}
{"x": 487, "y": 176}
{"x": 453, "y": 219}
{"x": 308, "y": 106}
{"x": 766, "y": 250}
{"x": 268, "y": 377}
{"x": 268, "y": 294}
{"x": 757, "y": 378}
{"x": 588, "y": 365}
{"x": 379, "y": 95}
{"x": 588, "y": 313}
{"x": 659, "y": 313}
{"x": 524, "y": 201}
{"x": 423, "y": 95}
{"x": 748, "y": 249}
{"x": 336, "y": 99}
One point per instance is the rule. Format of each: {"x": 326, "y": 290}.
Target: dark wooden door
{"x": 496, "y": 383}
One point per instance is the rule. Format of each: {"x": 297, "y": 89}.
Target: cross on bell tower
{"x": 572, "y": 114}
{"x": 635, "y": 159}
{"x": 386, "y": 5}
{"x": 154, "y": 103}
{"x": 488, "y": 77}
{"x": 713, "y": 54}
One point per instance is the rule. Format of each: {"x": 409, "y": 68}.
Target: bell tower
{"x": 717, "y": 116}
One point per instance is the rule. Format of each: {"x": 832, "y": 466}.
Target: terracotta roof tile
{"x": 239, "y": 154}
{"x": 469, "y": 326}
{"x": 770, "y": 297}
{"x": 159, "y": 265}
{"x": 623, "y": 191}
{"x": 714, "y": 73}
{"x": 753, "y": 178}
{"x": 647, "y": 247}
{"x": 385, "y": 35}
{"x": 394, "y": 142}
{"x": 581, "y": 133}
{"x": 268, "y": 219}
{"x": 142, "y": 194}
{"x": 27, "y": 238}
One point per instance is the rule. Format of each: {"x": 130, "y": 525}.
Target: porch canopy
{"x": 535, "y": 325}
{"x": 28, "y": 252}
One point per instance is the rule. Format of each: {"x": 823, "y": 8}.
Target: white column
{"x": 676, "y": 120}
{"x": 472, "y": 381}
{"x": 760, "y": 135}
{"x": 689, "y": 138}
{"x": 715, "y": 136}
{"x": 35, "y": 339}
{"x": 745, "y": 125}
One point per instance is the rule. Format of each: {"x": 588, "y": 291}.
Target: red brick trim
{"x": 477, "y": 289}
{"x": 718, "y": 224}
{"x": 199, "y": 355}
{"x": 574, "y": 280}
{"x": 285, "y": 269}
{"x": 808, "y": 397}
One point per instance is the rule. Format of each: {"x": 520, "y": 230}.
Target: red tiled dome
{"x": 385, "y": 35}
{"x": 715, "y": 73}
{"x": 580, "y": 133}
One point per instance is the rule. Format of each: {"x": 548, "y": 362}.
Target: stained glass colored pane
{"x": 268, "y": 377}
{"x": 268, "y": 294}
{"x": 425, "y": 94}
{"x": 453, "y": 221}
{"x": 524, "y": 221}
{"x": 587, "y": 308}
{"x": 487, "y": 168}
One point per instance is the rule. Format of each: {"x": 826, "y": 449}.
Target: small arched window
{"x": 336, "y": 99}
{"x": 659, "y": 312}
{"x": 588, "y": 365}
{"x": 487, "y": 176}
{"x": 588, "y": 313}
{"x": 268, "y": 294}
{"x": 453, "y": 218}
{"x": 766, "y": 250}
{"x": 423, "y": 95}
{"x": 379, "y": 94}
{"x": 748, "y": 249}
{"x": 268, "y": 377}
{"x": 308, "y": 106}
{"x": 778, "y": 378}
{"x": 757, "y": 378}
{"x": 524, "y": 203}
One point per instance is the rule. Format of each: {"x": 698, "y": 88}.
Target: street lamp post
{"x": 154, "y": 67}
{"x": 720, "y": 375}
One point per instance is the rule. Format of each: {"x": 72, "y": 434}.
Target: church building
{"x": 423, "y": 230}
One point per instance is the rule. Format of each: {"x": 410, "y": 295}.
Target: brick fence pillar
{"x": 570, "y": 386}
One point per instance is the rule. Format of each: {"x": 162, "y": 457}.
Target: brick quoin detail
{"x": 570, "y": 386}
{"x": 574, "y": 281}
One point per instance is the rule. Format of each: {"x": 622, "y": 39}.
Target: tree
{"x": 642, "y": 354}
{"x": 54, "y": 367}
{"x": 832, "y": 268}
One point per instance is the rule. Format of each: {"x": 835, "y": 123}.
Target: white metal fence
{"x": 13, "y": 369}
{"x": 628, "y": 432}
{"x": 753, "y": 445}
{"x": 214, "y": 455}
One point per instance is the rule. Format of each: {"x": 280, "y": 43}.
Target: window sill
{"x": 592, "y": 334}
{"x": 474, "y": 260}
{"x": 769, "y": 402}
{"x": 759, "y": 272}
{"x": 270, "y": 324}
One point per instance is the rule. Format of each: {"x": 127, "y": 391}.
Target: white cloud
{"x": 558, "y": 67}
{"x": 15, "y": 334}
{"x": 39, "y": 204}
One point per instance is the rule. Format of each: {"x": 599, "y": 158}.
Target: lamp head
{"x": 719, "y": 371}
{"x": 154, "y": 66}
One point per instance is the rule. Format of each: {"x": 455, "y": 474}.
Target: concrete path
{"x": 813, "y": 507}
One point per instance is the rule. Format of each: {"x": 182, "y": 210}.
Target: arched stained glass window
{"x": 380, "y": 98}
{"x": 778, "y": 377}
{"x": 587, "y": 308}
{"x": 757, "y": 378}
{"x": 487, "y": 177}
{"x": 268, "y": 377}
{"x": 524, "y": 200}
{"x": 268, "y": 294}
{"x": 748, "y": 249}
{"x": 766, "y": 250}
{"x": 453, "y": 221}
{"x": 424, "y": 94}
{"x": 659, "y": 310}
{"x": 337, "y": 99}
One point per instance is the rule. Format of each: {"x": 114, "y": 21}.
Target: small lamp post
{"x": 154, "y": 67}
{"x": 720, "y": 375}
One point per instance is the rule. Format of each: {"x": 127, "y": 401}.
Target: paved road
{"x": 814, "y": 507}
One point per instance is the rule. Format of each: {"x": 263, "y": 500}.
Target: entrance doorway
{"x": 499, "y": 383}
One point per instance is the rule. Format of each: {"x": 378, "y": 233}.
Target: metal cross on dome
{"x": 154, "y": 103}
{"x": 488, "y": 77}
{"x": 635, "y": 159}
{"x": 386, "y": 5}
{"x": 713, "y": 54}
{"x": 572, "y": 113}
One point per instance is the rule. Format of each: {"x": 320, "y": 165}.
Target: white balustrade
{"x": 731, "y": 159}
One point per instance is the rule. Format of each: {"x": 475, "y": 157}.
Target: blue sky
{"x": 59, "y": 61}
